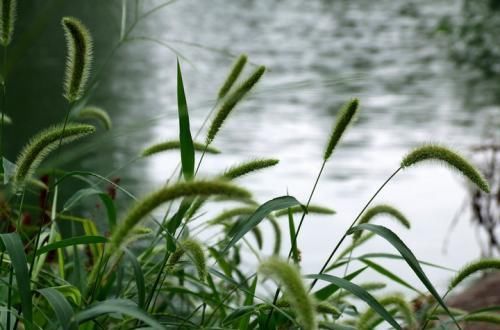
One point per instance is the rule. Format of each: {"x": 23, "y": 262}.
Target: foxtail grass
{"x": 365, "y": 321}
{"x": 8, "y": 13}
{"x": 176, "y": 144}
{"x": 378, "y": 210}
{"x": 231, "y": 101}
{"x": 289, "y": 278}
{"x": 79, "y": 58}
{"x": 43, "y": 143}
{"x": 233, "y": 75}
{"x": 96, "y": 113}
{"x": 472, "y": 268}
{"x": 248, "y": 167}
{"x": 195, "y": 251}
{"x": 437, "y": 153}
{"x": 344, "y": 118}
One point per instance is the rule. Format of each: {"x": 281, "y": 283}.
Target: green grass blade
{"x": 360, "y": 293}
{"x": 259, "y": 214}
{"x": 139, "y": 278}
{"x": 120, "y": 306}
{"x": 406, "y": 253}
{"x": 15, "y": 249}
{"x": 245, "y": 321}
{"x": 79, "y": 240}
{"x": 293, "y": 240}
{"x": 62, "y": 308}
{"x": 325, "y": 292}
{"x": 187, "y": 148}
{"x": 87, "y": 192}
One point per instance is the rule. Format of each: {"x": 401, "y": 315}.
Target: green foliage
{"x": 175, "y": 268}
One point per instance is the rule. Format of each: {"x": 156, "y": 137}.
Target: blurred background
{"x": 425, "y": 71}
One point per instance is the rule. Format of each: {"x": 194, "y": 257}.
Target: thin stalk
{"x": 352, "y": 225}
{"x": 4, "y": 104}
{"x": 434, "y": 310}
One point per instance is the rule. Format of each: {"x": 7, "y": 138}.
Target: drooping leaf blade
{"x": 259, "y": 214}
{"x": 325, "y": 292}
{"x": 409, "y": 257}
{"x": 360, "y": 293}
{"x": 62, "y": 308}
{"x": 79, "y": 240}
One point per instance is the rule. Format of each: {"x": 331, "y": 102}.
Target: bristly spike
{"x": 168, "y": 193}
{"x": 433, "y": 152}
{"x": 344, "y": 118}
{"x": 231, "y": 101}
{"x": 42, "y": 144}
{"x": 288, "y": 277}
{"x": 176, "y": 144}
{"x": 93, "y": 112}
{"x": 79, "y": 58}
{"x": 8, "y": 11}
{"x": 248, "y": 167}
{"x": 235, "y": 72}
{"x": 474, "y": 267}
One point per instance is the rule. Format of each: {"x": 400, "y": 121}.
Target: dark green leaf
{"x": 62, "y": 308}
{"x": 71, "y": 242}
{"x": 120, "y": 306}
{"x": 139, "y": 277}
{"x": 187, "y": 148}
{"x": 327, "y": 291}
{"x": 15, "y": 249}
{"x": 387, "y": 273}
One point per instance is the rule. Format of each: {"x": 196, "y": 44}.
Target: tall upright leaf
{"x": 15, "y": 249}
{"x": 187, "y": 148}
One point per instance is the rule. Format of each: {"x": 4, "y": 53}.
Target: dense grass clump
{"x": 79, "y": 250}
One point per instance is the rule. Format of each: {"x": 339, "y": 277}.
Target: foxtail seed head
{"x": 439, "y": 153}
{"x": 43, "y": 143}
{"x": 231, "y": 101}
{"x": 93, "y": 112}
{"x": 195, "y": 252}
{"x": 238, "y": 66}
{"x": 345, "y": 116}
{"x": 79, "y": 58}
{"x": 183, "y": 189}
{"x": 248, "y": 167}
{"x": 176, "y": 144}
{"x": 8, "y": 10}
{"x": 472, "y": 268}
{"x": 288, "y": 277}
{"x": 311, "y": 209}
{"x": 382, "y": 209}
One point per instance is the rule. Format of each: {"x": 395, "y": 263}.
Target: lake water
{"x": 319, "y": 53}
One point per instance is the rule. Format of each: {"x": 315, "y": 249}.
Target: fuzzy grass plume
{"x": 168, "y": 193}
{"x": 8, "y": 9}
{"x": 79, "y": 59}
{"x": 248, "y": 167}
{"x": 472, "y": 268}
{"x": 433, "y": 152}
{"x": 288, "y": 277}
{"x": 175, "y": 144}
{"x": 365, "y": 321}
{"x": 314, "y": 209}
{"x": 195, "y": 251}
{"x": 238, "y": 66}
{"x": 230, "y": 102}
{"x": 93, "y": 112}
{"x": 344, "y": 118}
{"x": 43, "y": 143}
{"x": 378, "y": 210}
